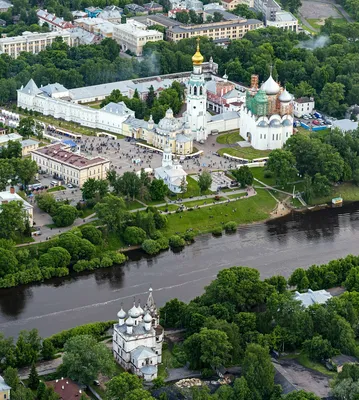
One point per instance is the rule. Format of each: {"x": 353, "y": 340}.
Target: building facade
{"x": 232, "y": 4}
{"x": 29, "y": 145}
{"x": 171, "y": 171}
{"x": 134, "y": 35}
{"x": 267, "y": 116}
{"x": 32, "y": 42}
{"x": 54, "y": 23}
{"x": 4, "y": 389}
{"x": 224, "y": 30}
{"x": 303, "y": 105}
{"x": 138, "y": 338}
{"x": 58, "y": 160}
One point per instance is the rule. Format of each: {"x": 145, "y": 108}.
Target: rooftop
{"x": 283, "y": 16}
{"x": 227, "y": 16}
{"x": 29, "y": 142}
{"x": 137, "y": 29}
{"x": 313, "y": 297}
{"x": 304, "y": 100}
{"x": 117, "y": 108}
{"x": 161, "y": 19}
{"x": 7, "y": 197}
{"x": 5, "y": 4}
{"x": 3, "y": 385}
{"x": 32, "y": 36}
{"x": 67, "y": 389}
{"x": 53, "y": 88}
{"x": 11, "y": 136}
{"x": 61, "y": 153}
{"x": 345, "y": 125}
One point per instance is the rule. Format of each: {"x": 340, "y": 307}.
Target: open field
{"x": 348, "y": 191}
{"x": 244, "y": 152}
{"x": 202, "y": 220}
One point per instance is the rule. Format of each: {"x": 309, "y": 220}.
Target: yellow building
{"x": 29, "y": 145}
{"x": 4, "y": 390}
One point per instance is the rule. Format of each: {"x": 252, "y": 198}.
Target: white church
{"x": 171, "y": 171}
{"x": 267, "y": 117}
{"x": 138, "y": 338}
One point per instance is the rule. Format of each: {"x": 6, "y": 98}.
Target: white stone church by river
{"x": 138, "y": 338}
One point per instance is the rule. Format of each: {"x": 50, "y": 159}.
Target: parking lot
{"x": 315, "y": 120}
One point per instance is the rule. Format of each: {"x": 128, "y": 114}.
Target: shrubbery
{"x": 134, "y": 235}
{"x": 230, "y": 226}
{"x": 151, "y": 246}
{"x": 176, "y": 241}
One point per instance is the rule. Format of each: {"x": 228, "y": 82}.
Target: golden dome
{"x": 197, "y": 59}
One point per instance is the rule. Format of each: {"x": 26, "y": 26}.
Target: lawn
{"x": 56, "y": 189}
{"x": 348, "y": 191}
{"x": 316, "y": 23}
{"x": 114, "y": 242}
{"x": 202, "y": 220}
{"x": 133, "y": 205}
{"x": 258, "y": 173}
{"x": 201, "y": 202}
{"x": 304, "y": 360}
{"x": 192, "y": 190}
{"x": 168, "y": 207}
{"x": 244, "y": 152}
{"x": 229, "y": 138}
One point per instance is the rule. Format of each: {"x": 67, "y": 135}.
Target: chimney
{"x": 12, "y": 190}
{"x": 62, "y": 387}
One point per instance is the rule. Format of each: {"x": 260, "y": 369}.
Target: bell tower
{"x": 197, "y": 99}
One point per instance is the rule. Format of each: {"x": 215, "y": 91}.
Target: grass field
{"x": 169, "y": 207}
{"x": 244, "y": 152}
{"x": 256, "y": 208}
{"x": 201, "y": 202}
{"x": 133, "y": 205}
{"x": 258, "y": 172}
{"x": 229, "y": 138}
{"x": 56, "y": 189}
{"x": 192, "y": 190}
{"x": 348, "y": 191}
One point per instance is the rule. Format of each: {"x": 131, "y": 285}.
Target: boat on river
{"x": 337, "y": 202}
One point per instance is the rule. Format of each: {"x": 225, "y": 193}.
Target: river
{"x": 275, "y": 247}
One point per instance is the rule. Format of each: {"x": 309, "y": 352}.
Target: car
{"x": 69, "y": 186}
{"x": 316, "y": 122}
{"x": 305, "y": 117}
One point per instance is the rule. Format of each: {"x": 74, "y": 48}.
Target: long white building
{"x": 32, "y": 42}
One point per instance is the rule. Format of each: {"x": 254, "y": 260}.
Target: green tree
{"x": 282, "y": 164}
{"x": 128, "y": 184}
{"x": 172, "y": 313}
{"x": 321, "y": 185}
{"x": 92, "y": 234}
{"x": 150, "y": 97}
{"x": 158, "y": 189}
{"x": 204, "y": 181}
{"x": 65, "y": 216}
{"x": 241, "y": 389}
{"x": 84, "y": 359}
{"x": 26, "y": 169}
{"x": 214, "y": 348}
{"x": 33, "y": 378}
{"x": 8, "y": 262}
{"x": 120, "y": 385}
{"x": 243, "y": 175}
{"x": 318, "y": 349}
{"x": 26, "y": 127}
{"x": 48, "y": 350}
{"x": 139, "y": 394}
{"x": 12, "y": 219}
{"x": 134, "y": 235}
{"x": 112, "y": 212}
{"x": 11, "y": 377}
{"x": 47, "y": 202}
{"x": 331, "y": 97}
{"x": 94, "y": 189}
{"x": 258, "y": 370}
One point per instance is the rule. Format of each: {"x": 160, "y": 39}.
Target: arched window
{"x": 201, "y": 90}
{"x": 195, "y": 90}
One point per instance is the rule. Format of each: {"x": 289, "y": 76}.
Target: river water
{"x": 274, "y": 247}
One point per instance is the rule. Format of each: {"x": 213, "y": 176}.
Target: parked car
{"x": 69, "y": 186}
{"x": 316, "y": 122}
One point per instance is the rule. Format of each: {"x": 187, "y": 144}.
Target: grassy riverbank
{"x": 348, "y": 191}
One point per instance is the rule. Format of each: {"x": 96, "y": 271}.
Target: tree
{"x": 8, "y": 262}
{"x": 28, "y": 347}
{"x": 12, "y": 219}
{"x": 217, "y": 16}
{"x": 301, "y": 395}
{"x": 11, "y": 377}
{"x": 208, "y": 348}
{"x": 65, "y": 216}
{"x": 321, "y": 185}
{"x": 258, "y": 370}
{"x": 56, "y": 257}
{"x": 151, "y": 246}
{"x": 204, "y": 181}
{"x": 318, "y": 349}
{"x": 47, "y": 202}
{"x": 128, "y": 184}
{"x": 48, "y": 350}
{"x": 94, "y": 189}
{"x": 134, "y": 235}
{"x": 241, "y": 389}
{"x": 112, "y": 212}
{"x": 183, "y": 186}
{"x": 151, "y": 95}
{"x": 84, "y": 359}
{"x": 282, "y": 164}
{"x": 120, "y": 385}
{"x": 26, "y": 127}
{"x": 172, "y": 313}
{"x": 139, "y": 394}
{"x": 243, "y": 175}
{"x": 331, "y": 97}
{"x": 176, "y": 241}
{"x": 33, "y": 377}
{"x": 25, "y": 169}
{"x": 92, "y": 234}
{"x": 244, "y": 11}
{"x": 158, "y": 189}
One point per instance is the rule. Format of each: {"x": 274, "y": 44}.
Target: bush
{"x": 163, "y": 243}
{"x": 189, "y": 236}
{"x": 95, "y": 329}
{"x": 268, "y": 174}
{"x": 134, "y": 235}
{"x": 207, "y": 373}
{"x": 230, "y": 226}
{"x": 158, "y": 382}
{"x": 176, "y": 241}
{"x": 92, "y": 234}
{"x": 116, "y": 257}
{"x": 217, "y": 231}
{"x": 150, "y": 246}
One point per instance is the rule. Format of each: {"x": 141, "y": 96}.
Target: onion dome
{"x": 134, "y": 312}
{"x": 270, "y": 86}
{"x": 285, "y": 96}
{"x": 140, "y": 309}
{"x": 130, "y": 321}
{"x": 275, "y": 123}
{"x": 287, "y": 122}
{"x": 147, "y": 318}
{"x": 262, "y": 124}
{"x": 197, "y": 59}
{"x": 121, "y": 314}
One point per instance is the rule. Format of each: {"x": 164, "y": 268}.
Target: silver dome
{"x": 275, "y": 123}
{"x": 270, "y": 86}
{"x": 285, "y": 96}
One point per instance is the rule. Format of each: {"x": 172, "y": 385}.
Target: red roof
{"x": 66, "y": 388}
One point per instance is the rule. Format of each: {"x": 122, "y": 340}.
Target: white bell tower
{"x": 197, "y": 99}
{"x": 167, "y": 154}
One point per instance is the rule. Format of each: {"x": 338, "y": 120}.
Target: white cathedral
{"x": 267, "y": 117}
{"x": 138, "y": 338}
